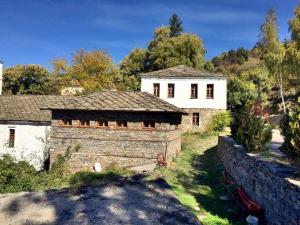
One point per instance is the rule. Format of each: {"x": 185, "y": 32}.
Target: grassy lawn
{"x": 196, "y": 178}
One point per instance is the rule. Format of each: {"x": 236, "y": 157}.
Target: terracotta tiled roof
{"x": 181, "y": 71}
{"x": 27, "y": 107}
{"x": 116, "y": 101}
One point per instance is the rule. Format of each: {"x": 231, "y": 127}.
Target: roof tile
{"x": 182, "y": 71}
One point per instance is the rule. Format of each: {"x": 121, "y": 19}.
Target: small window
{"x": 194, "y": 90}
{"x": 84, "y": 123}
{"x": 148, "y": 124}
{"x": 65, "y": 122}
{"x": 121, "y": 123}
{"x": 196, "y": 119}
{"x": 11, "y": 141}
{"x": 156, "y": 89}
{"x": 210, "y": 91}
{"x": 171, "y": 90}
{"x": 102, "y": 123}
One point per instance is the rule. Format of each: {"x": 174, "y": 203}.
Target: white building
{"x": 24, "y": 127}
{"x": 199, "y": 93}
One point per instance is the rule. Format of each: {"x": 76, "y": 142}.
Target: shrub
{"x": 290, "y": 129}
{"x": 252, "y": 131}
{"x": 219, "y": 121}
{"x": 21, "y": 176}
{"x": 16, "y": 176}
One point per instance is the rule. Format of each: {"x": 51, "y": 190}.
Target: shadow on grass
{"x": 206, "y": 174}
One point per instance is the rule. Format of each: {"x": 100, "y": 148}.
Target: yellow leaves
{"x": 92, "y": 70}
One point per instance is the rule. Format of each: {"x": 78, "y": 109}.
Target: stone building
{"x": 201, "y": 94}
{"x": 127, "y": 129}
{"x": 24, "y": 127}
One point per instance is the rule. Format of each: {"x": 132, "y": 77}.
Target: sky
{"x": 38, "y": 31}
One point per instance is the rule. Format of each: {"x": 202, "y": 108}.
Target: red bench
{"x": 251, "y": 206}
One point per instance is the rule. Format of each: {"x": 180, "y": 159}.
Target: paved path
{"x": 127, "y": 202}
{"x": 276, "y": 142}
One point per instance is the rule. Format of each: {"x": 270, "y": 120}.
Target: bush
{"x": 218, "y": 122}
{"x": 290, "y": 129}
{"x": 16, "y": 176}
{"x": 21, "y": 176}
{"x": 252, "y": 131}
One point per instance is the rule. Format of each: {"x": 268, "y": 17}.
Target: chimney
{"x": 1, "y": 75}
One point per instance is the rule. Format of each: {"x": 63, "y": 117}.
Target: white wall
{"x": 30, "y": 143}
{"x": 182, "y": 98}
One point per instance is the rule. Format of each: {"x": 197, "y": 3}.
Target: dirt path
{"x": 127, "y": 202}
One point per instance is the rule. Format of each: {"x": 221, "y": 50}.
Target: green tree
{"x": 290, "y": 129}
{"x": 273, "y": 51}
{"x": 166, "y": 51}
{"x": 134, "y": 62}
{"x": 240, "y": 93}
{"x": 293, "y": 48}
{"x": 175, "y": 25}
{"x": 28, "y": 79}
{"x": 294, "y": 26}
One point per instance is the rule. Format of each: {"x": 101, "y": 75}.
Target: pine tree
{"x": 175, "y": 25}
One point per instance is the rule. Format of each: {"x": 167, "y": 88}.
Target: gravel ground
{"x": 127, "y": 201}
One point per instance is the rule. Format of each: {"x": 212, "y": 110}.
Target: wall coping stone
{"x": 273, "y": 185}
{"x": 284, "y": 171}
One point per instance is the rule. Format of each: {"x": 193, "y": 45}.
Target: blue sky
{"x": 38, "y": 31}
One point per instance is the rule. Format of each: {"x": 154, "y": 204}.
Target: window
{"x": 11, "y": 140}
{"x": 84, "y": 123}
{"x": 65, "y": 122}
{"x": 102, "y": 123}
{"x": 210, "y": 91}
{"x": 171, "y": 90}
{"x": 148, "y": 124}
{"x": 196, "y": 119}
{"x": 121, "y": 123}
{"x": 156, "y": 88}
{"x": 194, "y": 90}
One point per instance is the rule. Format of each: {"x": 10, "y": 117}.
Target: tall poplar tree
{"x": 273, "y": 51}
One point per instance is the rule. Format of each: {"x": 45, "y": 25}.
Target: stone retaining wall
{"x": 272, "y": 185}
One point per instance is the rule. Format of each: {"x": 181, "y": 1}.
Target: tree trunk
{"x": 281, "y": 93}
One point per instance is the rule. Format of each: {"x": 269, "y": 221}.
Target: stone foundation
{"x": 271, "y": 185}
{"x": 204, "y": 117}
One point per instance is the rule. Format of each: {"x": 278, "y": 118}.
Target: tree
{"x": 92, "y": 70}
{"x": 241, "y": 93}
{"x": 273, "y": 51}
{"x": 175, "y": 25}
{"x": 28, "y": 79}
{"x": 134, "y": 62}
{"x": 294, "y": 26}
{"x": 293, "y": 47}
{"x": 166, "y": 51}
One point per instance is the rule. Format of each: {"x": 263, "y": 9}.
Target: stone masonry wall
{"x": 204, "y": 117}
{"x": 272, "y": 185}
{"x": 125, "y": 147}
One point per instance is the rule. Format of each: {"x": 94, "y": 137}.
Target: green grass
{"x": 196, "y": 178}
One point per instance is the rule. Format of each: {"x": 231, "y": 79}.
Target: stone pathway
{"x": 276, "y": 142}
{"x": 125, "y": 202}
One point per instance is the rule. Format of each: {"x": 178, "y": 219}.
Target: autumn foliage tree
{"x": 92, "y": 70}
